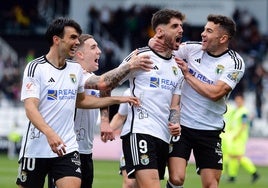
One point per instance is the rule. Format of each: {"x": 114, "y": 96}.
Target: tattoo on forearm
{"x": 113, "y": 77}
{"x": 92, "y": 82}
{"x": 174, "y": 116}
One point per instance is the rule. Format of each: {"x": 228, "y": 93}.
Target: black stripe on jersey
{"x": 237, "y": 60}
{"x": 24, "y": 147}
{"x": 33, "y": 65}
{"x": 140, "y": 50}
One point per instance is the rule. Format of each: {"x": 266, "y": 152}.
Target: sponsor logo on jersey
{"x": 219, "y": 69}
{"x": 52, "y": 94}
{"x": 63, "y": 94}
{"x": 198, "y": 60}
{"x": 51, "y": 80}
{"x": 162, "y": 83}
{"x": 29, "y": 86}
{"x": 233, "y": 76}
{"x": 200, "y": 77}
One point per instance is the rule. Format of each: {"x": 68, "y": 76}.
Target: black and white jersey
{"x": 86, "y": 121}
{"x": 155, "y": 89}
{"x": 56, "y": 89}
{"x": 197, "y": 111}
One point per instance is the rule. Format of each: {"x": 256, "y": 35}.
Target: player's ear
{"x": 159, "y": 32}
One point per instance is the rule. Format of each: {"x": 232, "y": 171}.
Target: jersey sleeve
{"x": 123, "y": 108}
{"x": 233, "y": 73}
{"x": 81, "y": 83}
{"x": 31, "y": 82}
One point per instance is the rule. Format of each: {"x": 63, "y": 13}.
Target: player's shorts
{"x": 32, "y": 171}
{"x": 144, "y": 151}
{"x": 87, "y": 170}
{"x": 205, "y": 144}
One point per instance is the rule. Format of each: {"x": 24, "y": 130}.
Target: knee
{"x": 177, "y": 180}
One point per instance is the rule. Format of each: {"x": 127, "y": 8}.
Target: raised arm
{"x": 110, "y": 79}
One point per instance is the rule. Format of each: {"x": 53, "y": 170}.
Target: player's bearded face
{"x": 170, "y": 42}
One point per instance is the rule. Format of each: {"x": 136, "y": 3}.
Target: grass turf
{"x": 106, "y": 175}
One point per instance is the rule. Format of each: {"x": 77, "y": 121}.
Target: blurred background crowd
{"x": 119, "y": 27}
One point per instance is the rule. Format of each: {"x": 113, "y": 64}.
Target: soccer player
{"x": 52, "y": 88}
{"x": 211, "y": 70}
{"x": 146, "y": 133}
{"x": 237, "y": 140}
{"x": 117, "y": 123}
{"x": 87, "y": 55}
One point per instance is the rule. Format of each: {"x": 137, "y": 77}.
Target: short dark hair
{"x": 225, "y": 22}
{"x": 164, "y": 16}
{"x": 57, "y": 28}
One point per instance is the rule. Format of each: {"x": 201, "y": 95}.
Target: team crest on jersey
{"x": 73, "y": 78}
{"x": 219, "y": 69}
{"x": 175, "y": 70}
{"x": 233, "y": 76}
{"x": 145, "y": 160}
{"x": 23, "y": 176}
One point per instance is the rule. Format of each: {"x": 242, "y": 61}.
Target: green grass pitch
{"x": 106, "y": 175}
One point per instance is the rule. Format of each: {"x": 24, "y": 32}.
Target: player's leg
{"x": 87, "y": 170}
{"x": 179, "y": 153}
{"x": 249, "y": 166}
{"x": 66, "y": 171}
{"x": 208, "y": 155}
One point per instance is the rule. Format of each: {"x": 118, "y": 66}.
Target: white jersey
{"x": 123, "y": 107}
{"x": 86, "y": 121}
{"x": 155, "y": 89}
{"x": 56, "y": 89}
{"x": 197, "y": 111}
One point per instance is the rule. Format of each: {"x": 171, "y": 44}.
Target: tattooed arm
{"x": 174, "y": 116}
{"x": 110, "y": 79}
{"x": 105, "y": 129}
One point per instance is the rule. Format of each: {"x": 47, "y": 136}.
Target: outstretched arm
{"x": 110, "y": 79}
{"x": 88, "y": 101}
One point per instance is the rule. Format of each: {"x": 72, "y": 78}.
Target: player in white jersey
{"x": 87, "y": 55}
{"x": 117, "y": 123}
{"x": 146, "y": 133}
{"x": 211, "y": 70}
{"x": 52, "y": 87}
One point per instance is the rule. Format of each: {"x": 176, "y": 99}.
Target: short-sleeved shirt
{"x": 197, "y": 111}
{"x": 86, "y": 121}
{"x": 56, "y": 89}
{"x": 155, "y": 89}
